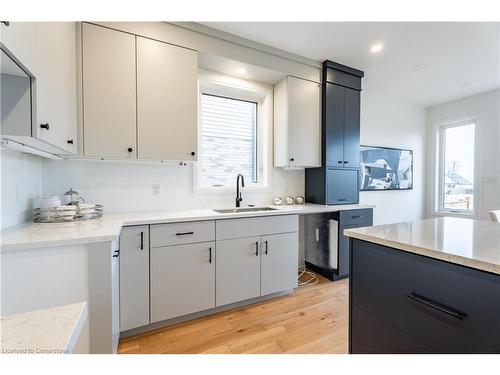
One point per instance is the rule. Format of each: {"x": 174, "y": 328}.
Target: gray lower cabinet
{"x": 238, "y": 270}
{"x": 115, "y": 297}
{"x": 279, "y": 263}
{"x": 176, "y": 269}
{"x": 262, "y": 260}
{"x": 182, "y": 280}
{"x": 134, "y": 277}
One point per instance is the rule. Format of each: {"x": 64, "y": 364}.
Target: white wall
{"x": 388, "y": 121}
{"x": 128, "y": 186}
{"x": 21, "y": 186}
{"x": 485, "y": 109}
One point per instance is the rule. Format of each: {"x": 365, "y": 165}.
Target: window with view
{"x": 228, "y": 141}
{"x": 457, "y": 168}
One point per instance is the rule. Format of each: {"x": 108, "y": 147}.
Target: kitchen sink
{"x": 244, "y": 209}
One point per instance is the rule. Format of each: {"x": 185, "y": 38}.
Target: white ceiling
{"x": 460, "y": 58}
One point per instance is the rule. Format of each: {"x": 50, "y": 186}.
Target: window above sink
{"x": 234, "y": 134}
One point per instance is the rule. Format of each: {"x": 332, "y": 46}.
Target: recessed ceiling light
{"x": 419, "y": 66}
{"x": 241, "y": 71}
{"x": 376, "y": 48}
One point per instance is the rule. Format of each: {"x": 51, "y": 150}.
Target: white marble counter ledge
{"x": 467, "y": 242}
{"x": 108, "y": 228}
{"x": 50, "y": 331}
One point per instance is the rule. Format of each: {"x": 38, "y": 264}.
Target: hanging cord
{"x": 312, "y": 280}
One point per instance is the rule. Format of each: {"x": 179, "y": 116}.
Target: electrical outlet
{"x": 156, "y": 189}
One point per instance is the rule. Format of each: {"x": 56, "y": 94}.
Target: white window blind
{"x": 228, "y": 140}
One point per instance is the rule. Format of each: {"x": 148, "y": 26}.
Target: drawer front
{"x": 371, "y": 335}
{"x": 356, "y": 217}
{"x": 451, "y": 308}
{"x": 182, "y": 233}
{"x": 256, "y": 226}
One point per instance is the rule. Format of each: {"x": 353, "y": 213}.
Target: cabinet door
{"x": 20, "y": 40}
{"x": 109, "y": 93}
{"x": 304, "y": 126}
{"x": 115, "y": 299}
{"x": 342, "y": 186}
{"x": 134, "y": 277}
{"x": 351, "y": 128}
{"x": 56, "y": 84}
{"x": 182, "y": 280}
{"x": 371, "y": 335}
{"x": 167, "y": 101}
{"x": 334, "y": 124}
{"x": 237, "y": 270}
{"x": 343, "y": 260}
{"x": 280, "y": 256}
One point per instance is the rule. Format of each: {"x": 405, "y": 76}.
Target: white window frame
{"x": 212, "y": 83}
{"x": 439, "y": 199}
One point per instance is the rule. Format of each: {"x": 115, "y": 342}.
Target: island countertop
{"x": 467, "y": 242}
{"x": 51, "y": 331}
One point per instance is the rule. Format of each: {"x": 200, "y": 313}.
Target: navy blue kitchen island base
{"x": 400, "y": 302}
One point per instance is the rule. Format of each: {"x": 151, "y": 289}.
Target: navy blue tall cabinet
{"x": 337, "y": 180}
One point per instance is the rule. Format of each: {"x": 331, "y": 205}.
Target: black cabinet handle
{"x": 266, "y": 247}
{"x": 184, "y": 233}
{"x": 193, "y": 153}
{"x": 210, "y": 256}
{"x": 130, "y": 149}
{"x": 116, "y": 254}
{"x": 6, "y": 23}
{"x": 437, "y": 306}
{"x": 340, "y": 161}
{"x": 45, "y": 126}
{"x": 142, "y": 240}
{"x": 256, "y": 248}
{"x": 70, "y": 141}
{"x": 356, "y": 216}
{"x": 341, "y": 199}
{"x": 292, "y": 159}
{"x": 346, "y": 162}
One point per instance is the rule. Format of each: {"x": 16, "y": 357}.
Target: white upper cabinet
{"x": 297, "y": 123}
{"x": 48, "y": 51}
{"x": 56, "y": 84}
{"x": 109, "y": 93}
{"x": 20, "y": 40}
{"x": 167, "y": 101}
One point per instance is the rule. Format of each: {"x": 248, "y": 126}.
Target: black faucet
{"x": 238, "y": 194}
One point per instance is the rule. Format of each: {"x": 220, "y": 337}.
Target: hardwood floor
{"x": 314, "y": 319}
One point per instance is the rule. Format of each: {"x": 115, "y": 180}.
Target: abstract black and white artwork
{"x": 384, "y": 168}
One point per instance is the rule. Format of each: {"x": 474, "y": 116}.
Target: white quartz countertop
{"x": 108, "y": 228}
{"x": 51, "y": 331}
{"x": 467, "y": 242}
